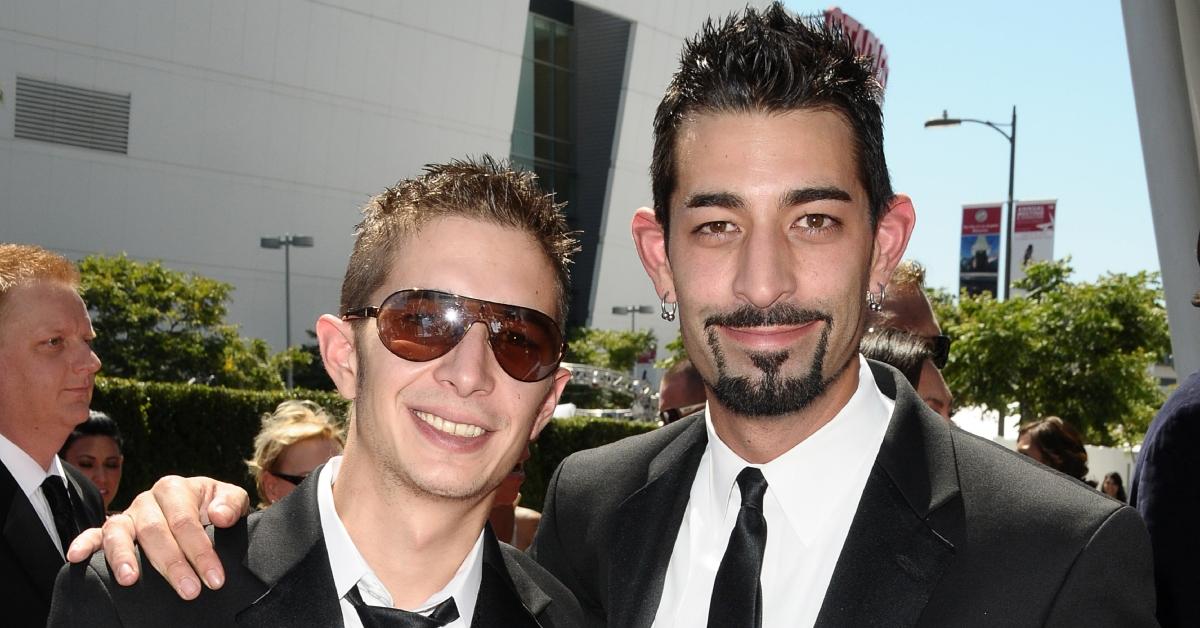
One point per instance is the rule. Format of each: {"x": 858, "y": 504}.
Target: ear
{"x": 891, "y": 239}
{"x": 338, "y": 352}
{"x": 561, "y": 377}
{"x": 271, "y": 487}
{"x": 651, "y": 243}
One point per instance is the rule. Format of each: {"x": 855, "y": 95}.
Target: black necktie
{"x": 384, "y": 617}
{"x": 56, "y": 495}
{"x": 737, "y": 592}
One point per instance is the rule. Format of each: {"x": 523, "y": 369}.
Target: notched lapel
{"x": 646, "y": 525}
{"x": 505, "y": 602}
{"x": 287, "y": 552}
{"x": 895, "y": 554}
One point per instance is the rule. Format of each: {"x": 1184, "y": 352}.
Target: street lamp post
{"x": 286, "y": 242}
{"x": 1011, "y": 136}
{"x": 632, "y": 311}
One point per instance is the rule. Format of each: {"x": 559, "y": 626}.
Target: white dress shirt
{"x": 29, "y": 476}
{"x": 350, "y": 569}
{"x": 812, "y": 494}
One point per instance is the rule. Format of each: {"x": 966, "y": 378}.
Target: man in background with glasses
{"x": 448, "y": 343}
{"x": 907, "y": 308}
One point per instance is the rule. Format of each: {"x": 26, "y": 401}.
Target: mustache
{"x": 778, "y": 314}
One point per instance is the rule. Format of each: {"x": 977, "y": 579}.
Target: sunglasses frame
{"x": 489, "y": 322}
{"x": 940, "y": 346}
{"x": 295, "y": 480}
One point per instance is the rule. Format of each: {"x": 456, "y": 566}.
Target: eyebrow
{"x": 791, "y": 198}
{"x": 808, "y": 195}
{"x": 727, "y": 200}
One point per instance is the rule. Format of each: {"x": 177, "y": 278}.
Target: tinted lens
{"x": 941, "y": 351}
{"x": 414, "y": 325}
{"x": 526, "y": 342}
{"x": 423, "y": 325}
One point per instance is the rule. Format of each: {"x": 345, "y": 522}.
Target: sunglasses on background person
{"x": 422, "y": 325}
{"x": 293, "y": 479}
{"x": 940, "y": 345}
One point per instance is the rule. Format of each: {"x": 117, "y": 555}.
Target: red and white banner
{"x": 1032, "y": 237}
{"x": 979, "y": 250}
{"x": 865, "y": 43}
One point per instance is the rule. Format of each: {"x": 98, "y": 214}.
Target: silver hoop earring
{"x": 875, "y": 304}
{"x": 667, "y": 313}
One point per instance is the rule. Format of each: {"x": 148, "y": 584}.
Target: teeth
{"x": 449, "y": 427}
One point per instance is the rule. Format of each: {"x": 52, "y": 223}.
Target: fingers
{"x": 117, "y": 539}
{"x": 229, "y": 503}
{"x": 84, "y": 545}
{"x": 175, "y": 541}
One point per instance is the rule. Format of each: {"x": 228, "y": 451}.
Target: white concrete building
{"x": 185, "y": 130}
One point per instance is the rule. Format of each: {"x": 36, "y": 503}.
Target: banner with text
{"x": 865, "y": 42}
{"x": 1032, "y": 237}
{"x": 979, "y": 255}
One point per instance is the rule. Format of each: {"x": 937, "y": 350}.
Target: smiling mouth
{"x": 449, "y": 427}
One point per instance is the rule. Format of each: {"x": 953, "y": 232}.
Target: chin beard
{"x": 769, "y": 395}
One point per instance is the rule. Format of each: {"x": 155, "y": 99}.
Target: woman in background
{"x": 295, "y": 439}
{"x": 94, "y": 447}
{"x": 1056, "y": 444}
{"x": 1114, "y": 487}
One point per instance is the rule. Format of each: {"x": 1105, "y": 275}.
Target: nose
{"x": 88, "y": 361}
{"x": 470, "y": 366}
{"x": 766, "y": 271}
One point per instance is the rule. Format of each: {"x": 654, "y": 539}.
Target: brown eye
{"x": 816, "y": 221}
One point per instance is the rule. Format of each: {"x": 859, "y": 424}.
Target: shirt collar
{"x": 349, "y": 567}
{"x": 24, "y": 469}
{"x": 811, "y": 479}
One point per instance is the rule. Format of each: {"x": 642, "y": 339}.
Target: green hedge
{"x": 207, "y": 430}
{"x": 190, "y": 429}
{"x": 563, "y": 437}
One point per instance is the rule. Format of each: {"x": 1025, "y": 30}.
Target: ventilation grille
{"x": 61, "y": 114}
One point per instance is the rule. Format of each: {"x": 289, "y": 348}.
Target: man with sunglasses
{"x": 907, "y": 308}
{"x": 448, "y": 343}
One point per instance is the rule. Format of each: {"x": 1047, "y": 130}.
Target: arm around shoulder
{"x": 1112, "y": 580}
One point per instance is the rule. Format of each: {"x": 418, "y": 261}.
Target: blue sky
{"x": 1065, "y": 67}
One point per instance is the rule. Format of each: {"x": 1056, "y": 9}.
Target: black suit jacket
{"x": 1165, "y": 490}
{"x": 277, "y": 574}
{"x": 29, "y": 559}
{"x": 951, "y": 530}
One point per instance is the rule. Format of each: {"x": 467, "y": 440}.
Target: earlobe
{"x": 336, "y": 339}
{"x": 651, "y": 243}
{"x": 891, "y": 238}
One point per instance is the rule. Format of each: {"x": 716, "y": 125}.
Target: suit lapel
{"x": 894, "y": 555}
{"x": 646, "y": 525}
{"x": 28, "y": 539}
{"x": 287, "y": 552}
{"x": 505, "y": 601}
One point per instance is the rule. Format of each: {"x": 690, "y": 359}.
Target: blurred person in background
{"x": 1114, "y": 486}
{"x": 913, "y": 357}
{"x": 1164, "y": 490}
{"x": 95, "y": 448}
{"x": 1056, "y": 444}
{"x": 680, "y": 393}
{"x": 513, "y": 523}
{"x": 295, "y": 439}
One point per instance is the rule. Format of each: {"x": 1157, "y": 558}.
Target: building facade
{"x": 185, "y": 131}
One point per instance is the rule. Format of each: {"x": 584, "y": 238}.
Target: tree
{"x": 612, "y": 349}
{"x": 157, "y": 324}
{"x": 1081, "y": 351}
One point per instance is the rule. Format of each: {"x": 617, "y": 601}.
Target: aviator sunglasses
{"x": 423, "y": 325}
